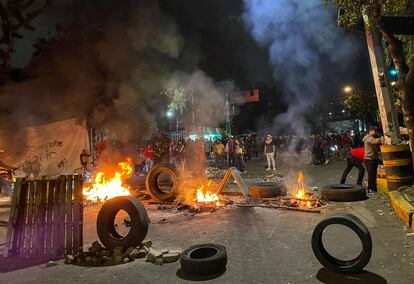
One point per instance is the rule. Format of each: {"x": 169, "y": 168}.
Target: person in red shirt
{"x": 149, "y": 154}
{"x": 354, "y": 159}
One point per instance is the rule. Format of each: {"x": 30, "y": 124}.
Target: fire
{"x": 300, "y": 193}
{"x": 204, "y": 195}
{"x": 105, "y": 188}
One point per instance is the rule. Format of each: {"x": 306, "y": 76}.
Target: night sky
{"x": 222, "y": 46}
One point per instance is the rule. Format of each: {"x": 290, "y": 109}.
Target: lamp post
{"x": 170, "y": 114}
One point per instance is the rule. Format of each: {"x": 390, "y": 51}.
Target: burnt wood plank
{"x": 69, "y": 215}
{"x": 11, "y": 229}
{"x": 61, "y": 217}
{"x": 49, "y": 216}
{"x": 78, "y": 215}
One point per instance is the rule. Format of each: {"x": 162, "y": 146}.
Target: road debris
{"x": 97, "y": 255}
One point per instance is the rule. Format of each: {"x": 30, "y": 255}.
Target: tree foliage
{"x": 16, "y": 15}
{"x": 400, "y": 48}
{"x": 362, "y": 104}
{"x": 178, "y": 98}
{"x": 353, "y": 14}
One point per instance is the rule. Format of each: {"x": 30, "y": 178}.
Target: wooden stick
{"x": 281, "y": 207}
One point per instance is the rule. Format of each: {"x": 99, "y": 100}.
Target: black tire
{"x": 152, "y": 184}
{"x": 267, "y": 189}
{"x": 340, "y": 266}
{"x": 105, "y": 222}
{"x": 204, "y": 259}
{"x": 343, "y": 192}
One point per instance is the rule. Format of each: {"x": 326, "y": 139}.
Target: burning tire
{"x": 333, "y": 264}
{"x": 105, "y": 226}
{"x": 205, "y": 259}
{"x": 343, "y": 192}
{"x": 154, "y": 188}
{"x": 267, "y": 189}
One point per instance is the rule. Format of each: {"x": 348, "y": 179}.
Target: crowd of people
{"x": 228, "y": 152}
{"x": 184, "y": 153}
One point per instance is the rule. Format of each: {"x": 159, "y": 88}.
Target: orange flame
{"x": 106, "y": 188}
{"x": 204, "y": 195}
{"x": 300, "y": 193}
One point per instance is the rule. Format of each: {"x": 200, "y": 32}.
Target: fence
{"x": 46, "y": 218}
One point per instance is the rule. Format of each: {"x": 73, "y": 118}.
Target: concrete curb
{"x": 402, "y": 207}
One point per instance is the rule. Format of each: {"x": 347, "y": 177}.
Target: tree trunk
{"x": 405, "y": 74}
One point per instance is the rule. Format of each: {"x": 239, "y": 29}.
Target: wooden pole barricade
{"x": 46, "y": 218}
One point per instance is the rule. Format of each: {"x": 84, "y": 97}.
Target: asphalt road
{"x": 263, "y": 245}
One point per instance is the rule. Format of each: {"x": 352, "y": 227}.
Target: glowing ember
{"x": 204, "y": 195}
{"x": 105, "y": 188}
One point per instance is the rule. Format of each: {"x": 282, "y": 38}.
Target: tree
{"x": 362, "y": 104}
{"x": 399, "y": 48}
{"x": 16, "y": 15}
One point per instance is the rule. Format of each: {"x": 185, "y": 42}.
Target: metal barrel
{"x": 382, "y": 185}
{"x": 398, "y": 165}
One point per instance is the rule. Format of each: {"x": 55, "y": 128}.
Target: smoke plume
{"x": 203, "y": 101}
{"x": 307, "y": 51}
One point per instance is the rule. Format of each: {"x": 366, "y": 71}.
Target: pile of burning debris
{"x": 97, "y": 255}
{"x": 301, "y": 200}
{"x": 192, "y": 194}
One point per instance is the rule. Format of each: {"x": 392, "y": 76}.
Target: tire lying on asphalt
{"x": 343, "y": 192}
{"x": 343, "y": 266}
{"x": 105, "y": 226}
{"x": 204, "y": 259}
{"x": 153, "y": 186}
{"x": 267, "y": 189}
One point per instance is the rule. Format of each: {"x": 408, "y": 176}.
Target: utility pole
{"x": 388, "y": 113}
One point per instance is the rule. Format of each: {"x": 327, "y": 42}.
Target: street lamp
{"x": 348, "y": 89}
{"x": 170, "y": 114}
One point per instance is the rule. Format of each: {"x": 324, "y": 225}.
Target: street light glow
{"x": 347, "y": 89}
{"x": 393, "y": 83}
{"x": 330, "y": 113}
{"x": 343, "y": 111}
{"x": 170, "y": 114}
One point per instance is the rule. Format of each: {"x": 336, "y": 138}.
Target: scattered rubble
{"x": 51, "y": 263}
{"x": 97, "y": 255}
{"x": 273, "y": 177}
{"x": 213, "y": 172}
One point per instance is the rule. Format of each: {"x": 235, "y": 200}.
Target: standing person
{"x": 371, "y": 157}
{"x": 165, "y": 153}
{"x": 173, "y": 152}
{"x": 270, "y": 152}
{"x": 239, "y": 151}
{"x": 230, "y": 150}
{"x": 157, "y": 152}
{"x": 181, "y": 154}
{"x": 219, "y": 150}
{"x": 354, "y": 159}
{"x": 149, "y": 157}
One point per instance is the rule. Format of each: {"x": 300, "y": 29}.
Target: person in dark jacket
{"x": 354, "y": 159}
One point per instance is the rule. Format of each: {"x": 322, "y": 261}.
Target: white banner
{"x": 51, "y": 149}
